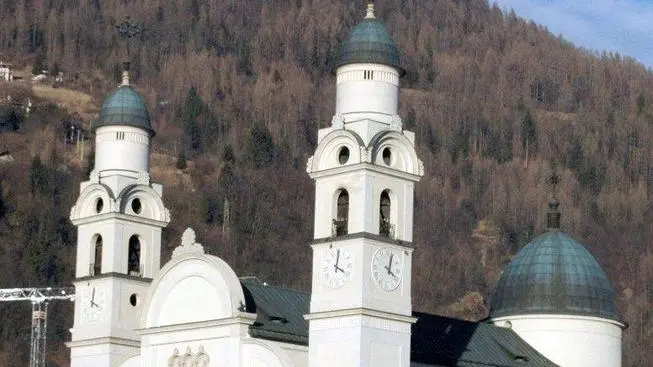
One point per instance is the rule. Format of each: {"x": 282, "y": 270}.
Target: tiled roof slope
{"x": 279, "y": 312}
{"x": 444, "y": 341}
{"x": 436, "y": 340}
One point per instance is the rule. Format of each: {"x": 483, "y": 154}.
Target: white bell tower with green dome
{"x": 365, "y": 168}
{"x": 119, "y": 217}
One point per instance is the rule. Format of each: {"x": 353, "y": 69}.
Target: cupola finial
{"x": 125, "y": 73}
{"x": 127, "y": 30}
{"x": 370, "y": 10}
{"x": 553, "y": 215}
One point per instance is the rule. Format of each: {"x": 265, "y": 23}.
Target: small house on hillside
{"x": 5, "y": 71}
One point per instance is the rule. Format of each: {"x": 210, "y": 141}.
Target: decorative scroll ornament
{"x": 309, "y": 164}
{"x": 188, "y": 244}
{"x": 395, "y": 123}
{"x": 94, "y": 176}
{"x": 338, "y": 122}
{"x": 175, "y": 359}
{"x": 143, "y": 178}
{"x": 113, "y": 206}
{"x": 167, "y": 215}
{"x": 420, "y": 167}
{"x": 189, "y": 359}
{"x": 201, "y": 358}
{"x": 366, "y": 157}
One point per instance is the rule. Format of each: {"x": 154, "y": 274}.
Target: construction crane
{"x": 40, "y": 297}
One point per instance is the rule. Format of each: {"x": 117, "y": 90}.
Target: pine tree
{"x": 260, "y": 148}
{"x": 38, "y": 176}
{"x": 190, "y": 113}
{"x": 529, "y": 136}
{"x": 181, "y": 160}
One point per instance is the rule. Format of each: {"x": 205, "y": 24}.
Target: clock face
{"x": 387, "y": 268}
{"x": 92, "y": 303}
{"x": 337, "y": 267}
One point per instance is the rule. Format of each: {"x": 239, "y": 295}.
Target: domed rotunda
{"x": 556, "y": 296}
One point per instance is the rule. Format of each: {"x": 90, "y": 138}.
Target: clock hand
{"x": 390, "y": 272}
{"x": 93, "y": 297}
{"x": 335, "y": 266}
{"x": 389, "y": 267}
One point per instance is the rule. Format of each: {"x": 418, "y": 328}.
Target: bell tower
{"x": 365, "y": 168}
{"x": 119, "y": 217}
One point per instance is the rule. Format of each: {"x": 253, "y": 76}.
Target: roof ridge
{"x": 267, "y": 285}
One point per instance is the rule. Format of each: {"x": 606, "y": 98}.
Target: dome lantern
{"x": 125, "y": 107}
{"x": 554, "y": 274}
{"x": 370, "y": 42}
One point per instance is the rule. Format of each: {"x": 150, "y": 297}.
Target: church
{"x": 553, "y": 305}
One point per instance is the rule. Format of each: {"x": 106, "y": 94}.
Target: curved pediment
{"x": 95, "y": 199}
{"x": 338, "y": 148}
{"x": 142, "y": 201}
{"x": 394, "y": 150}
{"x": 192, "y": 287}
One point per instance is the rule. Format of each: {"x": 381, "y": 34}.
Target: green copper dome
{"x": 370, "y": 42}
{"x": 127, "y": 107}
{"x": 554, "y": 274}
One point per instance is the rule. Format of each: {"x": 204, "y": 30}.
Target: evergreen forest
{"x": 237, "y": 91}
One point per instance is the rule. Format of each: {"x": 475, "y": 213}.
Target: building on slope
{"x": 195, "y": 311}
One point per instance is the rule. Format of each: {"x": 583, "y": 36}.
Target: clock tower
{"x": 365, "y": 167}
{"x": 119, "y": 217}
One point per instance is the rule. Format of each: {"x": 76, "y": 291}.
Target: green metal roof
{"x": 435, "y": 340}
{"x": 370, "y": 42}
{"x": 279, "y": 312}
{"x": 554, "y": 274}
{"x": 127, "y": 107}
{"x": 444, "y": 341}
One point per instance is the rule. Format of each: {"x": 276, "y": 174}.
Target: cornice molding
{"x": 243, "y": 318}
{"x": 360, "y": 312}
{"x": 366, "y": 167}
{"x": 113, "y": 275}
{"x": 381, "y": 240}
{"x": 104, "y": 340}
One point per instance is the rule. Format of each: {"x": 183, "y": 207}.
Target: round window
{"x": 99, "y": 204}
{"x": 136, "y": 206}
{"x": 343, "y": 155}
{"x": 133, "y": 299}
{"x": 387, "y": 156}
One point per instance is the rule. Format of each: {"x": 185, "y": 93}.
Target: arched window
{"x": 385, "y": 227}
{"x": 134, "y": 259}
{"x": 97, "y": 258}
{"x": 341, "y": 221}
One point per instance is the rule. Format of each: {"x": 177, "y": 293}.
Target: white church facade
{"x": 553, "y": 306}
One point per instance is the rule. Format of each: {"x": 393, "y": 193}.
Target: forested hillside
{"x": 237, "y": 91}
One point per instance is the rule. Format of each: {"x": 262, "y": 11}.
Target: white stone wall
{"x": 359, "y": 341}
{"x": 570, "y": 341}
{"x": 101, "y": 355}
{"x": 364, "y": 188}
{"x": 367, "y": 88}
{"x": 122, "y": 148}
{"x": 115, "y": 248}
